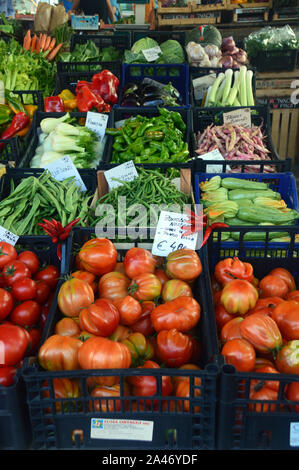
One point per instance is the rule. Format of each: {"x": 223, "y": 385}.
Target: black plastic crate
{"x": 11, "y": 152}
{"x": 275, "y": 61}
{"x": 15, "y": 427}
{"x": 71, "y": 74}
{"x": 33, "y": 141}
{"x": 197, "y": 72}
{"x": 69, "y": 426}
{"x": 260, "y": 116}
{"x": 244, "y": 423}
{"x": 121, "y": 113}
{"x": 120, "y": 40}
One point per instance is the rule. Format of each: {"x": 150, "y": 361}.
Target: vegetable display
{"x": 235, "y": 143}
{"x": 261, "y": 335}
{"x": 155, "y": 139}
{"x": 237, "y": 201}
{"x": 26, "y": 293}
{"x": 58, "y": 137}
{"x": 110, "y": 335}
{"x": 47, "y": 198}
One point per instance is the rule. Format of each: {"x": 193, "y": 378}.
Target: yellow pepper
{"x": 30, "y": 110}
{"x": 70, "y": 105}
{"x": 66, "y": 95}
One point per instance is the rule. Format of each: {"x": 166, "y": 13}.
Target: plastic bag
{"x": 271, "y": 38}
{"x": 42, "y": 17}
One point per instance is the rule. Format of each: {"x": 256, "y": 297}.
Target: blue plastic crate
{"x": 284, "y": 183}
{"x": 177, "y": 74}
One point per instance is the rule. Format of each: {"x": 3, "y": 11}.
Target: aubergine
{"x": 153, "y": 101}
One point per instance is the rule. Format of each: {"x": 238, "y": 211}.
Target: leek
{"x": 242, "y": 89}
{"x": 235, "y": 88}
{"x": 227, "y": 87}
{"x": 249, "y": 93}
{"x": 215, "y": 86}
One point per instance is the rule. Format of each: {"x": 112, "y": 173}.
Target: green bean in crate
{"x": 26, "y": 201}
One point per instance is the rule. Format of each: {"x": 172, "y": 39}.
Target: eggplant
{"x": 148, "y": 91}
{"x": 153, "y": 101}
{"x": 130, "y": 88}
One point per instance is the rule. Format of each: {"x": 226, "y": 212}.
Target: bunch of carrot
{"x": 43, "y": 43}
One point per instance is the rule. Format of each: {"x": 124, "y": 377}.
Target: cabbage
{"x": 172, "y": 52}
{"x": 143, "y": 44}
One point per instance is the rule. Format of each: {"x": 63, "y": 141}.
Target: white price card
{"x": 127, "y": 429}
{"x": 7, "y": 236}
{"x": 97, "y": 122}
{"x": 124, "y": 172}
{"x": 64, "y": 168}
{"x": 294, "y": 434}
{"x": 238, "y": 117}
{"x": 152, "y": 53}
{"x": 214, "y": 155}
{"x": 169, "y": 234}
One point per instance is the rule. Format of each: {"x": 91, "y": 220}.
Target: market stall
{"x": 149, "y": 228}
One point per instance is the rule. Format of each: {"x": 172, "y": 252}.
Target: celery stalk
{"x": 249, "y": 93}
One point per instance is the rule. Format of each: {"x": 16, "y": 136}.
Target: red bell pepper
{"x": 106, "y": 83}
{"x": 88, "y": 99}
{"x": 53, "y": 104}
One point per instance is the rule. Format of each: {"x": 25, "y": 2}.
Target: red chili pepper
{"x": 209, "y": 230}
{"x": 53, "y": 104}
{"x": 19, "y": 122}
{"x": 57, "y": 232}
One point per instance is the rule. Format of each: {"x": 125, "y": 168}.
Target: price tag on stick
{"x": 64, "y": 168}
{"x": 214, "y": 155}
{"x": 238, "y": 117}
{"x": 124, "y": 172}
{"x": 97, "y": 122}
{"x": 169, "y": 234}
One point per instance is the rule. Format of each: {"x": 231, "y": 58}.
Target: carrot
{"x": 33, "y": 42}
{"x": 42, "y": 42}
{"x": 52, "y": 44}
{"x": 27, "y": 40}
{"x": 54, "y": 52}
{"x": 47, "y": 43}
{"x": 37, "y": 46}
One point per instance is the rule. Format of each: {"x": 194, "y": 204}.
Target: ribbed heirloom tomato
{"x": 175, "y": 288}
{"x": 238, "y": 297}
{"x": 145, "y": 286}
{"x": 183, "y": 313}
{"x": 183, "y": 264}
{"x": 262, "y": 332}
{"x": 286, "y": 276}
{"x": 287, "y": 360}
{"x": 100, "y": 318}
{"x": 63, "y": 388}
{"x": 144, "y": 323}
{"x": 239, "y": 353}
{"x": 98, "y": 256}
{"x": 173, "y": 348}
{"x": 113, "y": 286}
{"x": 101, "y": 394}
{"x": 67, "y": 326}
{"x": 59, "y": 353}
{"x": 129, "y": 310}
{"x": 74, "y": 294}
{"x": 229, "y": 269}
{"x": 102, "y": 353}
{"x": 137, "y": 261}
{"x": 286, "y": 315}
{"x": 231, "y": 329}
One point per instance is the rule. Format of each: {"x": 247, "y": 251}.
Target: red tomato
{"x": 49, "y": 274}
{"x": 145, "y": 286}
{"x": 292, "y": 394}
{"x": 59, "y": 353}
{"x": 6, "y": 303}
{"x": 261, "y": 362}
{"x": 44, "y": 315}
{"x": 161, "y": 275}
{"x": 286, "y": 276}
{"x": 87, "y": 277}
{"x": 119, "y": 267}
{"x": 120, "y": 333}
{"x": 176, "y": 379}
{"x": 98, "y": 256}
{"x": 173, "y": 348}
{"x": 183, "y": 264}
{"x": 231, "y": 329}
{"x": 26, "y": 314}
{"x": 14, "y": 341}
{"x": 105, "y": 392}
{"x": 287, "y": 361}
{"x": 42, "y": 292}
{"x": 7, "y": 375}
{"x": 102, "y": 353}
{"x": 8, "y": 253}
{"x": 24, "y": 289}
{"x": 263, "y": 394}
{"x": 74, "y": 295}
{"x": 129, "y": 310}
{"x": 286, "y": 315}
{"x": 239, "y": 353}
{"x": 35, "y": 337}
{"x": 183, "y": 390}
{"x": 266, "y": 305}
{"x": 273, "y": 286}
{"x": 182, "y": 313}
{"x": 229, "y": 269}
{"x": 63, "y": 388}
{"x": 138, "y": 261}
{"x": 144, "y": 323}
{"x": 67, "y": 326}
{"x": 146, "y": 385}
{"x": 262, "y": 332}
{"x": 100, "y": 318}
{"x": 14, "y": 271}
{"x": 294, "y": 295}
{"x": 30, "y": 259}
{"x": 222, "y": 316}
{"x": 113, "y": 286}
{"x": 238, "y": 297}
{"x": 273, "y": 384}
{"x": 175, "y": 288}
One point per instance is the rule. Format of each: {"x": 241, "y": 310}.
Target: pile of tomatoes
{"x": 26, "y": 292}
{"x": 258, "y": 324}
{"x": 136, "y": 313}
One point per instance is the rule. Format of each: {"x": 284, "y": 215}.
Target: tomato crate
{"x": 33, "y": 140}
{"x": 245, "y": 420}
{"x": 121, "y": 113}
{"x": 15, "y": 427}
{"x": 177, "y": 75}
{"x": 85, "y": 422}
{"x": 260, "y": 116}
